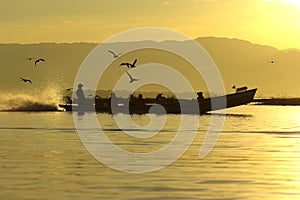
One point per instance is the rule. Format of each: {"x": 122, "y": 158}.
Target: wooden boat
{"x": 171, "y": 106}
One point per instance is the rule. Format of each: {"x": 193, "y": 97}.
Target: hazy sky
{"x": 270, "y": 22}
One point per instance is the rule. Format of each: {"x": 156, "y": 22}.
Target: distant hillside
{"x": 244, "y": 63}
{"x": 274, "y": 72}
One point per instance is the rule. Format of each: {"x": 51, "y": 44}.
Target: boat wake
{"x": 29, "y": 102}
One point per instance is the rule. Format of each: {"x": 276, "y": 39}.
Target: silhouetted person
{"x": 130, "y": 100}
{"x": 140, "y": 105}
{"x": 141, "y": 100}
{"x": 200, "y": 96}
{"x": 160, "y": 99}
{"x": 80, "y": 95}
{"x": 140, "y": 97}
{"x": 113, "y": 100}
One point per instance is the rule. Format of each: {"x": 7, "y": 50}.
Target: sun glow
{"x": 294, "y": 2}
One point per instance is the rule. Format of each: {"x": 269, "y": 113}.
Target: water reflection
{"x": 256, "y": 157}
{"x": 230, "y": 115}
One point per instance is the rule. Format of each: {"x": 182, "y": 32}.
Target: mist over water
{"x": 35, "y": 100}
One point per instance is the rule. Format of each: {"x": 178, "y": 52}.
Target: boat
{"x": 171, "y": 106}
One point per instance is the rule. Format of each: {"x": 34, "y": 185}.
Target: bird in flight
{"x": 131, "y": 78}
{"x": 114, "y": 54}
{"x": 30, "y": 58}
{"x": 271, "y": 61}
{"x": 129, "y": 65}
{"x": 68, "y": 89}
{"x": 25, "y": 80}
{"x": 39, "y": 60}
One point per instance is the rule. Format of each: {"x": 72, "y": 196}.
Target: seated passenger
{"x": 200, "y": 96}
{"x": 160, "y": 99}
{"x": 141, "y": 100}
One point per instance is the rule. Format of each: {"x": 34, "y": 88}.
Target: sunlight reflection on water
{"x": 256, "y": 157}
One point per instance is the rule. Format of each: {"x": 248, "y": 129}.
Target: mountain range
{"x": 274, "y": 72}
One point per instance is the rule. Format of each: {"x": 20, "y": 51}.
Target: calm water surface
{"x": 256, "y": 157}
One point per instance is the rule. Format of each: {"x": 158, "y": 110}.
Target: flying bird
{"x": 114, "y": 54}
{"x": 30, "y": 58}
{"x": 66, "y": 90}
{"x": 129, "y": 65}
{"x": 39, "y": 60}
{"x": 271, "y": 61}
{"x": 25, "y": 80}
{"x": 131, "y": 78}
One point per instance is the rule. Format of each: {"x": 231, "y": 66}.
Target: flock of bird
{"x": 129, "y": 65}
{"x": 36, "y": 61}
{"x": 115, "y": 55}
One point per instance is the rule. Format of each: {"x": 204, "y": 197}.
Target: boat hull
{"x": 174, "y": 106}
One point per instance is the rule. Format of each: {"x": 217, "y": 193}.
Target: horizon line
{"x": 90, "y": 42}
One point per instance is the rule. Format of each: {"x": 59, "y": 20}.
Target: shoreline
{"x": 277, "y": 101}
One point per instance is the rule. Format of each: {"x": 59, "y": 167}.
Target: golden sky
{"x": 269, "y": 22}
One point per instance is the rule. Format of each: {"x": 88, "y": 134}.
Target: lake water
{"x": 257, "y": 156}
